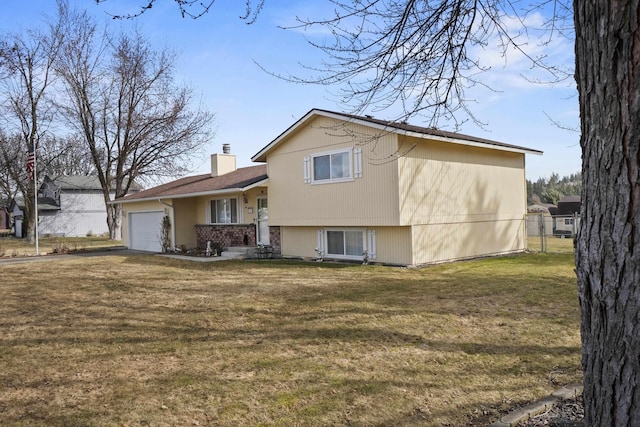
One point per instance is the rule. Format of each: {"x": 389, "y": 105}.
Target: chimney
{"x": 223, "y": 163}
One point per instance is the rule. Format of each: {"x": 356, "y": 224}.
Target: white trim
{"x": 261, "y": 155}
{"x": 363, "y": 231}
{"x": 371, "y": 244}
{"x": 307, "y": 169}
{"x": 258, "y": 220}
{"x": 213, "y": 193}
{"x": 357, "y": 162}
{"x": 320, "y": 241}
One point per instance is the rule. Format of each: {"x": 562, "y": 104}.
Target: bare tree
{"x": 416, "y": 53}
{"x": 27, "y": 60}
{"x": 135, "y": 121}
{"x": 59, "y": 156}
{"x": 189, "y": 8}
{"x": 56, "y": 157}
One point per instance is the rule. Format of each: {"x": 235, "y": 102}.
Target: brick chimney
{"x": 223, "y": 163}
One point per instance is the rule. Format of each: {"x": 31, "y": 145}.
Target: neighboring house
{"x": 342, "y": 186}
{"x": 539, "y": 220}
{"x": 566, "y": 219}
{"x": 82, "y": 209}
{"x": 70, "y": 206}
{"x": 16, "y": 209}
{"x": 227, "y": 207}
{"x": 569, "y": 205}
{"x": 5, "y": 222}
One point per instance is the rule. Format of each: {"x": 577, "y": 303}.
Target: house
{"x": 342, "y": 186}
{"x": 348, "y": 187}
{"x": 5, "y": 218}
{"x": 539, "y": 220}
{"x": 81, "y": 207}
{"x": 70, "y": 206}
{"x": 227, "y": 207}
{"x": 566, "y": 220}
{"x": 16, "y": 211}
{"x": 569, "y": 205}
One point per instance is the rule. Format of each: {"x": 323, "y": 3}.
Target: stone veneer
{"x": 233, "y": 235}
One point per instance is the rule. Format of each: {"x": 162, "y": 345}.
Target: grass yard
{"x": 553, "y": 244}
{"x": 136, "y": 340}
{"x": 12, "y": 247}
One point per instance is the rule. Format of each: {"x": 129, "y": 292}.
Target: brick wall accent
{"x": 274, "y": 239}
{"x": 233, "y": 235}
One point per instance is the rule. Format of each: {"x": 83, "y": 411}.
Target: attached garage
{"x": 144, "y": 230}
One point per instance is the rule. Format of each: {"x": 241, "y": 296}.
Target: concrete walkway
{"x": 523, "y": 414}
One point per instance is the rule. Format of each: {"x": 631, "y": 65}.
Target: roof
{"x": 44, "y": 204}
{"x": 239, "y": 180}
{"x": 570, "y": 199}
{"x": 81, "y": 182}
{"x": 77, "y": 182}
{"x": 394, "y": 127}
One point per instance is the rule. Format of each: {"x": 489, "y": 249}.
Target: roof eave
{"x": 261, "y": 156}
{"x": 197, "y": 194}
{"x": 510, "y": 148}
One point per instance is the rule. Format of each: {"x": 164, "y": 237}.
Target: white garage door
{"x": 144, "y": 231}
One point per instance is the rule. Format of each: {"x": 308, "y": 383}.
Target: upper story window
{"x": 224, "y": 211}
{"x": 334, "y": 166}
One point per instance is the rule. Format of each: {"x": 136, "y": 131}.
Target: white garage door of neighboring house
{"x": 144, "y": 231}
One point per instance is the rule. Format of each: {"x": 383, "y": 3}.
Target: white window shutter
{"x": 320, "y": 242}
{"x": 307, "y": 170}
{"x": 357, "y": 160}
{"x": 371, "y": 244}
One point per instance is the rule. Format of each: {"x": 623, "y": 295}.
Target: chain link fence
{"x": 549, "y": 233}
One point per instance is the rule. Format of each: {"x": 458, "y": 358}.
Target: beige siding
{"x": 367, "y": 201}
{"x": 393, "y": 243}
{"x": 185, "y": 213}
{"x": 443, "y": 183}
{"x": 247, "y": 210}
{"x": 462, "y": 201}
{"x": 448, "y": 242}
{"x": 147, "y": 206}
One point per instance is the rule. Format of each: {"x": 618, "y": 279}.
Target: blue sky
{"x": 218, "y": 55}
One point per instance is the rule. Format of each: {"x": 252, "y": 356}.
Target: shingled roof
{"x": 200, "y": 185}
{"x": 395, "y": 127}
{"x": 81, "y": 183}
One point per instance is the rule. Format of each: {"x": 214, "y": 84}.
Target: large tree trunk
{"x": 608, "y": 247}
{"x": 113, "y": 221}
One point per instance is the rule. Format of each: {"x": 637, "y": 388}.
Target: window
{"x": 345, "y": 243}
{"x": 348, "y": 244}
{"x": 329, "y": 167}
{"x": 224, "y": 211}
{"x": 568, "y": 221}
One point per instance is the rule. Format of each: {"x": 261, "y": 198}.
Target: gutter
{"x": 187, "y": 195}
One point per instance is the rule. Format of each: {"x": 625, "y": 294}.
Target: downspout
{"x": 173, "y": 221}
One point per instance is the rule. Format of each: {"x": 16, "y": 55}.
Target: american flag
{"x": 31, "y": 162}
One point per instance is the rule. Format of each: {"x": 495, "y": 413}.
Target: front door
{"x": 263, "y": 221}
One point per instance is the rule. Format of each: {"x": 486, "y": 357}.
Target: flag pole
{"x": 32, "y": 170}
{"x": 35, "y": 192}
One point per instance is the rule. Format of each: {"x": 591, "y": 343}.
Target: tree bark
{"x": 608, "y": 247}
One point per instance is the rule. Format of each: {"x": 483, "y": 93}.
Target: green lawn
{"x": 135, "y": 340}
